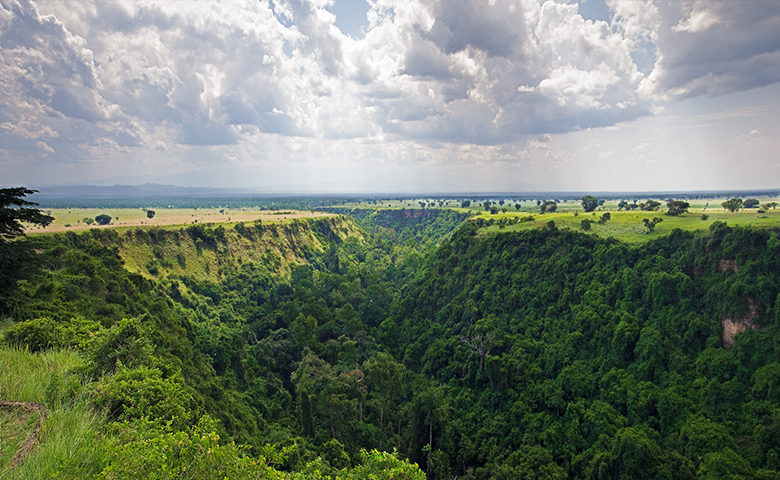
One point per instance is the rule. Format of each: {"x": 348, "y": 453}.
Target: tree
{"x": 732, "y": 205}
{"x": 307, "y": 419}
{"x": 605, "y": 218}
{"x": 14, "y": 210}
{"x": 750, "y": 203}
{"x": 303, "y": 329}
{"x": 487, "y": 205}
{"x": 623, "y": 204}
{"x": 517, "y": 206}
{"x": 650, "y": 224}
{"x": 677, "y": 207}
{"x": 649, "y": 206}
{"x": 465, "y": 204}
{"x": 150, "y": 214}
{"x": 589, "y": 203}
{"x": 548, "y": 207}
{"x": 586, "y": 224}
{"x": 103, "y": 219}
{"x": 633, "y": 456}
{"x": 16, "y": 257}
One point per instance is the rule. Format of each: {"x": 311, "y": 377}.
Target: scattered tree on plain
{"x": 650, "y": 224}
{"x": 150, "y": 214}
{"x": 676, "y": 207}
{"x": 103, "y": 219}
{"x": 590, "y": 203}
{"x": 732, "y": 205}
{"x": 548, "y": 207}
{"x": 465, "y": 204}
{"x": 649, "y": 206}
{"x": 750, "y": 203}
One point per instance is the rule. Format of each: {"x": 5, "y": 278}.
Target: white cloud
{"x": 698, "y": 19}
{"x": 715, "y": 48}
{"x": 153, "y": 83}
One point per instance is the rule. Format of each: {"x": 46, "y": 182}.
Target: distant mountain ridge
{"x": 133, "y": 191}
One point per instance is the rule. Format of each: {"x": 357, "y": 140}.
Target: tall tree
{"x": 589, "y": 203}
{"x": 14, "y": 210}
{"x": 15, "y": 256}
{"x": 677, "y": 207}
{"x": 732, "y": 205}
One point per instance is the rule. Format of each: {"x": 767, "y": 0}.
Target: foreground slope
{"x": 534, "y": 354}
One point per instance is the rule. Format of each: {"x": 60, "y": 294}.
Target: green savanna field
{"x": 73, "y": 219}
{"x": 623, "y": 225}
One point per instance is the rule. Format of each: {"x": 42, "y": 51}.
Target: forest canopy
{"x": 543, "y": 353}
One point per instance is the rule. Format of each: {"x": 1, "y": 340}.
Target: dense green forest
{"x": 543, "y": 353}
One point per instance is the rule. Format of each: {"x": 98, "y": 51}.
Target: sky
{"x": 392, "y": 95}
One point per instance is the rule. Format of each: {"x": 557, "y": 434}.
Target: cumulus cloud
{"x": 79, "y": 79}
{"x": 715, "y": 48}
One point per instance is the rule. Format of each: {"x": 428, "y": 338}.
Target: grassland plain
{"x": 73, "y": 219}
{"x": 70, "y": 433}
{"x": 628, "y": 226}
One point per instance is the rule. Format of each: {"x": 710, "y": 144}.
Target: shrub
{"x": 586, "y": 224}
{"x": 194, "y": 454}
{"x": 36, "y": 334}
{"x": 134, "y": 393}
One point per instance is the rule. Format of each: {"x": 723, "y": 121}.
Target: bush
{"x": 194, "y": 454}
{"x": 704, "y": 216}
{"x": 181, "y": 259}
{"x": 586, "y": 224}
{"x": 36, "y": 334}
{"x": 134, "y": 393}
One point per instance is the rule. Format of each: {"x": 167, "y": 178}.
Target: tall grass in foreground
{"x": 70, "y": 443}
{"x": 25, "y": 376}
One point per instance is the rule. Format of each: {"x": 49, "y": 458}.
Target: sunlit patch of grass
{"x": 628, "y": 226}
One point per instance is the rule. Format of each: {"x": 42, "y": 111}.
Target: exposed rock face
{"x": 734, "y": 326}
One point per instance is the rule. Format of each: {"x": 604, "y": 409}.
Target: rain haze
{"x": 392, "y": 95}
